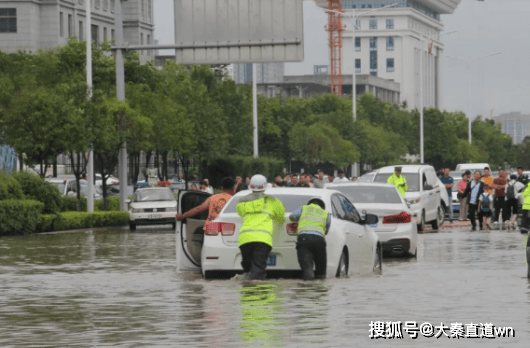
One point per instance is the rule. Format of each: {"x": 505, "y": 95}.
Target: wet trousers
{"x": 498, "y": 205}
{"x": 525, "y": 221}
{"x": 311, "y": 251}
{"x": 254, "y": 258}
{"x": 472, "y": 211}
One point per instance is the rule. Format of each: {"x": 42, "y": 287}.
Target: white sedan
{"x": 396, "y": 229}
{"x": 152, "y": 206}
{"x": 352, "y": 245}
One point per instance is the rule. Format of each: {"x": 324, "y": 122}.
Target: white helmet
{"x": 258, "y": 183}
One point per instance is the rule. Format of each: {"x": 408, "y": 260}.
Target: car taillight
{"x": 401, "y": 218}
{"x": 214, "y": 228}
{"x": 114, "y": 182}
{"x": 292, "y": 229}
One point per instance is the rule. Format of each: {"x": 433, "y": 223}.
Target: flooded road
{"x": 121, "y": 289}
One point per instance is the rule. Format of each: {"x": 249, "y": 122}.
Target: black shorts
{"x": 485, "y": 213}
{"x": 511, "y": 207}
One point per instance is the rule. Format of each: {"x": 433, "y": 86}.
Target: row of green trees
{"x": 188, "y": 114}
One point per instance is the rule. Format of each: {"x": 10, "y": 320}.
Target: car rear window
{"x": 290, "y": 202}
{"x": 370, "y": 194}
{"x": 413, "y": 180}
{"x": 366, "y": 178}
{"x": 153, "y": 195}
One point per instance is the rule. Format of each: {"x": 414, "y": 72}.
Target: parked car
{"x": 368, "y": 177}
{"x": 68, "y": 187}
{"x": 426, "y": 193}
{"x": 396, "y": 229}
{"x": 462, "y": 167}
{"x": 111, "y": 180}
{"x": 352, "y": 245}
{"x": 152, "y": 206}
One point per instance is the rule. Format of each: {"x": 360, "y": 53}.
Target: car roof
{"x": 56, "y": 180}
{"x": 409, "y": 168}
{"x": 295, "y": 191}
{"x": 153, "y": 188}
{"x": 353, "y": 184}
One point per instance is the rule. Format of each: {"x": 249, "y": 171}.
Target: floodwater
{"x": 121, "y": 289}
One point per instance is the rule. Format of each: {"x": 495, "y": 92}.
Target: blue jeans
{"x": 451, "y": 209}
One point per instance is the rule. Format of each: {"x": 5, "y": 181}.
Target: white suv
{"x": 424, "y": 193}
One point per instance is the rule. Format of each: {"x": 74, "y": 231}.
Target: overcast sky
{"x": 499, "y": 84}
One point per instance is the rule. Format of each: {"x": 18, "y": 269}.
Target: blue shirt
{"x": 298, "y": 212}
{"x": 474, "y": 192}
{"x": 446, "y": 181}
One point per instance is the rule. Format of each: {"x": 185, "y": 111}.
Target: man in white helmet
{"x": 259, "y": 212}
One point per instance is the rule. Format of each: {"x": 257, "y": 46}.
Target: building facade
{"x": 30, "y": 25}
{"x": 389, "y": 42}
{"x": 516, "y": 125}
{"x": 267, "y": 73}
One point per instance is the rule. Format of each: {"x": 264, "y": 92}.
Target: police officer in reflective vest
{"x": 261, "y": 216}
{"x": 313, "y": 225}
{"x": 399, "y": 181}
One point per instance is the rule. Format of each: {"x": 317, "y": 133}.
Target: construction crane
{"x": 335, "y": 29}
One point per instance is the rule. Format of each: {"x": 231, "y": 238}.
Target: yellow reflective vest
{"x": 313, "y": 218}
{"x": 397, "y": 182}
{"x": 259, "y": 216}
{"x": 526, "y": 195}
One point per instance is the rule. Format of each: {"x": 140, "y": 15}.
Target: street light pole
{"x": 255, "y": 107}
{"x": 468, "y": 67}
{"x": 90, "y": 164}
{"x": 422, "y": 45}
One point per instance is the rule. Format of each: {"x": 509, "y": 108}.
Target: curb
{"x": 457, "y": 224}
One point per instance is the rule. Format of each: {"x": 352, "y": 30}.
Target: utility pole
{"x": 120, "y": 94}
{"x": 90, "y": 165}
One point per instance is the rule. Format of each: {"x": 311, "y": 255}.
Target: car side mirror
{"x": 427, "y": 187}
{"x": 371, "y": 219}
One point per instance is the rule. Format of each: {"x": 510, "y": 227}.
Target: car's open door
{"x": 189, "y": 231}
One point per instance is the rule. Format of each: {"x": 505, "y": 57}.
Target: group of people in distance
{"x": 485, "y": 197}
{"x": 309, "y": 180}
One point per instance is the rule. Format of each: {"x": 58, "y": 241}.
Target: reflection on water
{"x": 121, "y": 289}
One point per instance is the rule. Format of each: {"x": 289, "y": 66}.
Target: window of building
{"x": 70, "y": 25}
{"x": 389, "y": 43}
{"x": 357, "y": 65}
{"x": 144, "y": 10}
{"x": 105, "y": 38}
{"x": 112, "y": 35}
{"x": 94, "y": 32}
{"x": 373, "y": 43}
{"x": 112, "y": 4}
{"x": 8, "y": 20}
{"x": 61, "y": 24}
{"x": 390, "y": 64}
{"x": 141, "y": 42}
{"x": 373, "y": 62}
{"x": 148, "y": 42}
{"x": 357, "y": 43}
{"x": 105, "y": 5}
{"x": 98, "y": 3}
{"x": 373, "y": 24}
{"x": 150, "y": 11}
{"x": 81, "y": 36}
{"x": 358, "y": 24}
{"x": 390, "y": 23}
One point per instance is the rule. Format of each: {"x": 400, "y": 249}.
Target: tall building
{"x": 515, "y": 125}
{"x": 30, "y": 25}
{"x": 267, "y": 73}
{"x": 388, "y": 44}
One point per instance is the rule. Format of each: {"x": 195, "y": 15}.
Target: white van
{"x": 462, "y": 167}
{"x": 424, "y": 193}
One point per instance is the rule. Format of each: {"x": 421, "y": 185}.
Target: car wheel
{"x": 132, "y": 226}
{"x": 440, "y": 218}
{"x": 421, "y": 226}
{"x": 378, "y": 261}
{"x": 342, "y": 270}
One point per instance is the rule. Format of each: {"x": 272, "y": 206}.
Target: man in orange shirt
{"x": 488, "y": 180}
{"x": 214, "y": 204}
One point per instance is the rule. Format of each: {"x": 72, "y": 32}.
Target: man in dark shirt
{"x": 278, "y": 181}
{"x": 448, "y": 181}
{"x": 499, "y": 184}
{"x": 240, "y": 185}
{"x": 521, "y": 177}
{"x": 294, "y": 181}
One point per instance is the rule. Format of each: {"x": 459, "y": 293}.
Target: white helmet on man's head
{"x": 258, "y": 183}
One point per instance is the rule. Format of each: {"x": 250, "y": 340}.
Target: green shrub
{"x": 34, "y": 187}
{"x": 113, "y": 204}
{"x": 19, "y": 216}
{"x": 69, "y": 203}
{"x": 46, "y": 222}
{"x": 9, "y": 187}
{"x": 73, "y": 220}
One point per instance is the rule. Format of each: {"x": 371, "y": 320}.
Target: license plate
{"x": 155, "y": 216}
{"x": 271, "y": 261}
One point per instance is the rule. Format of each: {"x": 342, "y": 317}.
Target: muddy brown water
{"x": 120, "y": 289}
